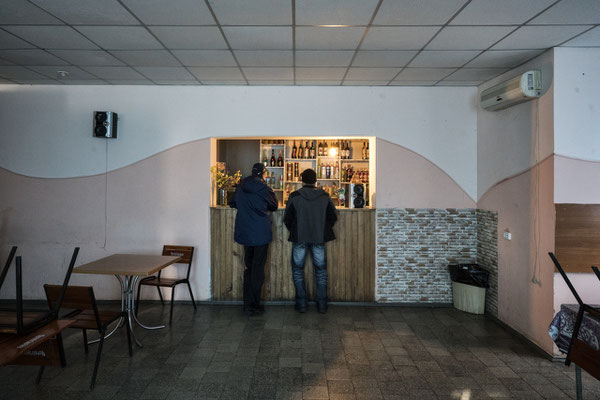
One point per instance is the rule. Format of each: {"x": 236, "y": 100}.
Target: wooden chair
{"x": 582, "y": 354}
{"x": 82, "y": 301}
{"x": 187, "y": 254}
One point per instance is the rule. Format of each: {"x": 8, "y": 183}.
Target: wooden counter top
{"x": 283, "y": 208}
{"x": 350, "y": 258}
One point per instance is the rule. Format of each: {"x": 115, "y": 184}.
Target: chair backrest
{"x": 78, "y": 298}
{"x": 596, "y": 271}
{"x": 11, "y": 255}
{"x": 566, "y": 278}
{"x": 185, "y": 252}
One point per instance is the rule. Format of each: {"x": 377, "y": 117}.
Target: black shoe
{"x": 322, "y": 310}
{"x": 300, "y": 309}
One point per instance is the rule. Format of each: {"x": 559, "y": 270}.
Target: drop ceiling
{"x": 283, "y": 42}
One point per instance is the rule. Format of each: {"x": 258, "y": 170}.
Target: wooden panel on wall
{"x": 350, "y": 259}
{"x": 577, "y": 236}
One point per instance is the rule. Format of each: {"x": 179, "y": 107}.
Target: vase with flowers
{"x": 225, "y": 182}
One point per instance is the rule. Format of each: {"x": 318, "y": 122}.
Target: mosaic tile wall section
{"x": 414, "y": 248}
{"x": 487, "y": 255}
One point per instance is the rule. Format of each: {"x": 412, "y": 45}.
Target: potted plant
{"x": 225, "y": 182}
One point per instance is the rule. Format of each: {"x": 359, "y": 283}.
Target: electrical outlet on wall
{"x": 507, "y": 235}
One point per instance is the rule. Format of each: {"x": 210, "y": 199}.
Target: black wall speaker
{"x": 105, "y": 124}
{"x": 357, "y": 195}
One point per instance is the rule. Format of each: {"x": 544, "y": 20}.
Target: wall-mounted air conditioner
{"x": 525, "y": 87}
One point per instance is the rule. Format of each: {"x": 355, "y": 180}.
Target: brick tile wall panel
{"x": 414, "y": 248}
{"x": 487, "y": 254}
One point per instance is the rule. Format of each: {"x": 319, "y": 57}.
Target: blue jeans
{"x": 320, "y": 264}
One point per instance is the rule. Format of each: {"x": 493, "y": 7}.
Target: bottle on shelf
{"x": 364, "y": 151}
{"x": 306, "y": 150}
{"x": 312, "y": 152}
{"x": 328, "y": 171}
{"x": 273, "y": 158}
{"x": 294, "y": 150}
{"x": 325, "y": 150}
{"x": 264, "y": 160}
{"x": 281, "y": 181}
{"x": 367, "y": 152}
{"x": 319, "y": 169}
{"x": 280, "y": 160}
{"x": 336, "y": 171}
{"x": 323, "y": 171}
{"x": 320, "y": 149}
{"x": 300, "y": 152}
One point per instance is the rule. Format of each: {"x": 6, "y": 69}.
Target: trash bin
{"x": 469, "y": 282}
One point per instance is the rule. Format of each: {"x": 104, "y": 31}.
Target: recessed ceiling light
{"x": 62, "y": 74}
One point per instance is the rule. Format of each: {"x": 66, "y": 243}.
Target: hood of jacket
{"x": 311, "y": 193}
{"x": 252, "y": 184}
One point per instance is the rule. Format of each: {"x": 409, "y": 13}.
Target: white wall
{"x": 46, "y": 130}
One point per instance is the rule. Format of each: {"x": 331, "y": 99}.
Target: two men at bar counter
{"x": 310, "y": 216}
{"x": 254, "y": 200}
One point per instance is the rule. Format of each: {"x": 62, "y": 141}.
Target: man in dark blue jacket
{"x": 254, "y": 200}
{"x": 310, "y": 216}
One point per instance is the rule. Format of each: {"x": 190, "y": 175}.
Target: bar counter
{"x": 350, "y": 258}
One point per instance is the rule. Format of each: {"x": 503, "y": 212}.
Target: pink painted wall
{"x": 525, "y": 207}
{"x": 163, "y": 199}
{"x": 406, "y": 179}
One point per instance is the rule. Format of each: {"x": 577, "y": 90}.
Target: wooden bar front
{"x": 350, "y": 259}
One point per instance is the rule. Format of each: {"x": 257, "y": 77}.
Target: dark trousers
{"x": 254, "y": 274}
{"x": 319, "y": 259}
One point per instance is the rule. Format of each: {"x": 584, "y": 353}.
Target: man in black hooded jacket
{"x": 310, "y": 216}
{"x": 254, "y": 200}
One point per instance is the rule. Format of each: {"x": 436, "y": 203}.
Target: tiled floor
{"x": 349, "y": 353}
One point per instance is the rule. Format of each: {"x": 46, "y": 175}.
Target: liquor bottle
{"x": 319, "y": 169}
{"x": 320, "y": 151}
{"x": 273, "y": 158}
{"x": 325, "y": 150}
{"x": 364, "y": 151}
{"x": 349, "y": 151}
{"x": 281, "y": 181}
{"x": 294, "y": 150}
{"x": 323, "y": 171}
{"x": 328, "y": 171}
{"x": 336, "y": 171}
{"x": 343, "y": 177}
{"x": 312, "y": 153}
{"x": 367, "y": 152}
{"x": 280, "y": 160}
{"x": 300, "y": 152}
{"x": 265, "y": 161}
{"x": 306, "y": 150}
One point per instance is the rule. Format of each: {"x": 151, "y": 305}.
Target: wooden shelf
{"x": 354, "y": 160}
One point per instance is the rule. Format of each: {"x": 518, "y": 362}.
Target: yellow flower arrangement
{"x": 223, "y": 179}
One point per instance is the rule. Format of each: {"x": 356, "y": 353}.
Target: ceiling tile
{"x": 259, "y": 37}
{"x": 5, "y": 62}
{"x": 443, "y": 59}
{"x": 255, "y": 12}
{"x": 190, "y": 37}
{"x": 216, "y": 74}
{"x": 589, "y": 39}
{"x": 88, "y": 12}
{"x": 571, "y": 12}
{"x": 424, "y": 74}
{"x": 334, "y": 12}
{"x": 322, "y": 58}
{"x": 16, "y": 72}
{"x": 265, "y": 58}
{"x": 180, "y": 12}
{"x": 86, "y": 57}
{"x": 319, "y": 74}
{"x": 412, "y": 83}
{"x": 475, "y": 74}
{"x": 9, "y": 41}
{"x": 176, "y": 82}
{"x": 270, "y": 83}
{"x": 398, "y": 37}
{"x": 371, "y": 74}
{"x": 468, "y": 37}
{"x": 129, "y": 81}
{"x": 267, "y": 74}
{"x": 52, "y": 37}
{"x": 205, "y": 58}
{"x": 74, "y": 73}
{"x": 366, "y": 83}
{"x": 166, "y": 73}
{"x": 539, "y": 37}
{"x": 328, "y": 38}
{"x": 120, "y": 37}
{"x": 383, "y": 58}
{"x": 318, "y": 83}
{"x": 494, "y": 12}
{"x": 147, "y": 58}
{"x": 22, "y": 12}
{"x": 503, "y": 58}
{"x": 417, "y": 12}
{"x": 31, "y": 57}
{"x": 118, "y": 73}
{"x": 459, "y": 83}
